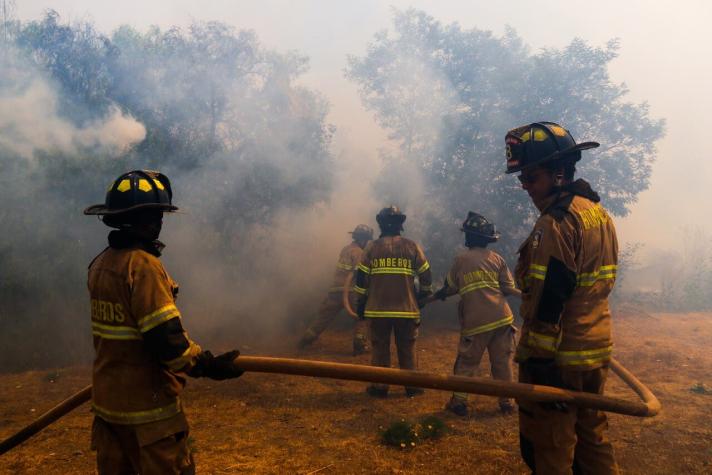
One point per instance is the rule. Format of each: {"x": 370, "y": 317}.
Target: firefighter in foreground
{"x": 566, "y": 270}
{"x": 482, "y": 279}
{"x": 349, "y": 259}
{"x": 142, "y": 352}
{"x": 385, "y": 282}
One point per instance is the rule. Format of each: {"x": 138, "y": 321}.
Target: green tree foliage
{"x": 449, "y": 95}
{"x": 222, "y": 116}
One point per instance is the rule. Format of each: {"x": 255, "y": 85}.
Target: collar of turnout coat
{"x": 123, "y": 240}
{"x": 559, "y": 201}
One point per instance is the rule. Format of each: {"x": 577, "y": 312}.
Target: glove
{"x": 545, "y": 372}
{"x": 441, "y": 294}
{"x": 422, "y": 298}
{"x": 216, "y": 367}
{"x": 361, "y": 309}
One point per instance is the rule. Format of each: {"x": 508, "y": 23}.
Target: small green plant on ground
{"x": 406, "y": 434}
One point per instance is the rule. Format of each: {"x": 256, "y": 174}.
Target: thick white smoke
{"x": 31, "y": 120}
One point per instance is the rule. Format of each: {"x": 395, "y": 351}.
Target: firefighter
{"x": 385, "y": 282}
{"x": 349, "y": 258}
{"x": 142, "y": 352}
{"x": 482, "y": 279}
{"x": 566, "y": 270}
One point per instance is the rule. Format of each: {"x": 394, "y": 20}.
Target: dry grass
{"x": 281, "y": 424}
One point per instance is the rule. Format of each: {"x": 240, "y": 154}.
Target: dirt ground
{"x": 284, "y": 424}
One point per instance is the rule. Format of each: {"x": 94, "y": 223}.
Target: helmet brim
{"x": 554, "y": 156}
{"x": 102, "y": 210}
{"x": 492, "y": 237}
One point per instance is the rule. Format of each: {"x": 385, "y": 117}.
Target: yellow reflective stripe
{"x": 154, "y": 319}
{"x": 426, "y": 288}
{"x": 480, "y": 284}
{"x": 388, "y": 314}
{"x": 111, "y": 332}
{"x": 138, "y": 417}
{"x": 584, "y": 357}
{"x": 537, "y": 272}
{"x": 392, "y": 270}
{"x": 176, "y": 364}
{"x": 424, "y": 267}
{"x": 603, "y": 272}
{"x": 489, "y": 326}
{"x": 343, "y": 266}
{"x": 364, "y": 269}
{"x": 460, "y": 395}
{"x": 359, "y": 290}
{"x": 450, "y": 282}
{"x": 542, "y": 341}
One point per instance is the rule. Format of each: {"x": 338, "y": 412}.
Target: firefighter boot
{"x": 506, "y": 407}
{"x": 457, "y": 406}
{"x": 307, "y": 339}
{"x": 412, "y": 392}
{"x": 375, "y": 391}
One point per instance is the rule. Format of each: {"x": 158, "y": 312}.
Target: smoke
{"x": 31, "y": 120}
{"x": 266, "y": 197}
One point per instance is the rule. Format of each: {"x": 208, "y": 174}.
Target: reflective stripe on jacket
{"x": 349, "y": 258}
{"x": 386, "y": 278}
{"x": 482, "y": 279}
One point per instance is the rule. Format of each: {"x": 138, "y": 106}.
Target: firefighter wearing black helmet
{"x": 482, "y": 279}
{"x": 142, "y": 352}
{"x": 331, "y": 306}
{"x": 566, "y": 270}
{"x": 388, "y": 299}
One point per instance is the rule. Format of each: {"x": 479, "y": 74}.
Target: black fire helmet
{"x": 137, "y": 189}
{"x": 539, "y": 143}
{"x": 478, "y": 225}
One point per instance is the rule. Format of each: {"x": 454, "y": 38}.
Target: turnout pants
{"x": 405, "y": 331}
{"x": 567, "y": 441}
{"x": 120, "y": 451}
{"x": 328, "y": 310}
{"x": 499, "y": 343}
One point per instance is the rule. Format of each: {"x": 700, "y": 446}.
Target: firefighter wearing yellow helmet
{"x": 566, "y": 270}
{"x": 331, "y": 306}
{"x": 142, "y": 352}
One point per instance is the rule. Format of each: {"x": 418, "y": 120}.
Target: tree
{"x": 449, "y": 95}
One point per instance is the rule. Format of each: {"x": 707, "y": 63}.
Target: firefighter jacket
{"x": 141, "y": 349}
{"x": 349, "y": 259}
{"x": 482, "y": 279}
{"x": 385, "y": 280}
{"x": 566, "y": 270}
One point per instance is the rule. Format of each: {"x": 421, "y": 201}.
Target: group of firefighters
{"x": 565, "y": 271}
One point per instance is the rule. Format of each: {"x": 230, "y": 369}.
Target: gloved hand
{"x": 422, "y": 298}
{"x": 361, "y": 309}
{"x": 544, "y": 371}
{"x": 441, "y": 294}
{"x": 216, "y": 367}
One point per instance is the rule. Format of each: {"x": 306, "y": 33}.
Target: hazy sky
{"x": 665, "y": 59}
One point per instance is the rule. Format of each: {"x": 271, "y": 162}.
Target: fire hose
{"x": 648, "y": 406}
